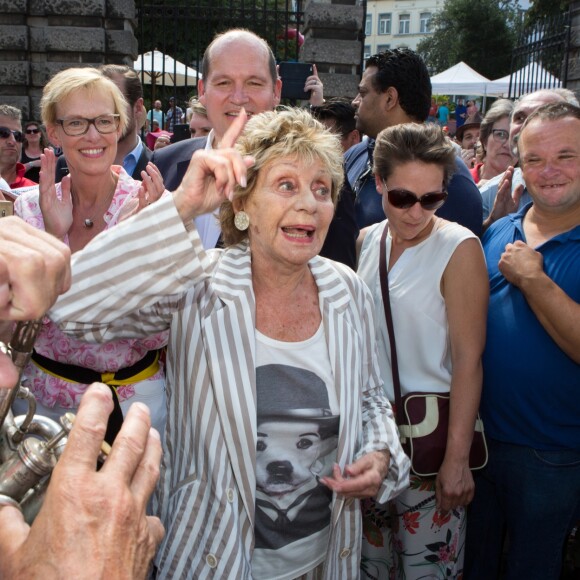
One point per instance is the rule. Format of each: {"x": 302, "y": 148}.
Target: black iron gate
{"x": 182, "y": 29}
{"x": 543, "y": 49}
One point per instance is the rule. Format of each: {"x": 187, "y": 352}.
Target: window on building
{"x": 425, "y": 22}
{"x": 384, "y": 24}
{"x": 383, "y": 47}
{"x": 404, "y": 23}
{"x": 367, "y": 52}
{"x": 369, "y": 25}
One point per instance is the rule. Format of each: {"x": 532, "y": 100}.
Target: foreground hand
{"x": 315, "y": 87}
{"x": 505, "y": 202}
{"x": 151, "y": 190}
{"x": 213, "y": 175}
{"x": 56, "y": 213}
{"x": 520, "y": 262}
{"x": 454, "y": 486}
{"x": 34, "y": 270}
{"x": 361, "y": 479}
{"x": 92, "y": 524}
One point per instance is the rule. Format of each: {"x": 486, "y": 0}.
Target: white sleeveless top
{"x": 418, "y": 307}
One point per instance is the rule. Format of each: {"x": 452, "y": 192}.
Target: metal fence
{"x": 182, "y": 29}
{"x": 541, "y": 58}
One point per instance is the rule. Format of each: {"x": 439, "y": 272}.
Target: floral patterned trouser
{"x": 408, "y": 539}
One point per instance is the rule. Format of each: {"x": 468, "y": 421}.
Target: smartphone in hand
{"x": 294, "y": 75}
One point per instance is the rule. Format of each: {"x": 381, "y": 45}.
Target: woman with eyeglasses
{"x": 438, "y": 292}
{"x": 494, "y": 137}
{"x": 35, "y": 143}
{"x": 85, "y": 113}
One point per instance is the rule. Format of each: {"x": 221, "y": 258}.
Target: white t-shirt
{"x": 298, "y": 420}
{"x": 417, "y": 305}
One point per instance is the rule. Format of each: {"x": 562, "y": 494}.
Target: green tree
{"x": 481, "y": 34}
{"x": 540, "y": 9}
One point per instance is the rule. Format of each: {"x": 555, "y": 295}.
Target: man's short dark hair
{"x": 132, "y": 90}
{"x": 404, "y": 70}
{"x": 340, "y": 110}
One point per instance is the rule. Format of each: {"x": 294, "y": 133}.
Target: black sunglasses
{"x": 404, "y": 199}
{"x": 32, "y": 131}
{"x": 5, "y": 133}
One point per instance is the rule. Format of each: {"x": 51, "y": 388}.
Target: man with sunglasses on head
{"x": 11, "y": 139}
{"x": 395, "y": 88}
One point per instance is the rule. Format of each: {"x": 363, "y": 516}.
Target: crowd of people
{"x": 225, "y": 299}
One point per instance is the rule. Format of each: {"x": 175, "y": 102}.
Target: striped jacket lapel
{"x": 341, "y": 339}
{"x": 228, "y": 333}
{"x": 233, "y": 361}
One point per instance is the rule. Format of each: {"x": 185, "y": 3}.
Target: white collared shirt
{"x": 207, "y": 224}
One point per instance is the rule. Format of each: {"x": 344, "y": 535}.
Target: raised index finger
{"x": 234, "y": 131}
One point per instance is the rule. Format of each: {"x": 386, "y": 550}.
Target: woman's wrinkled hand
{"x": 56, "y": 213}
{"x": 360, "y": 479}
{"x": 213, "y": 175}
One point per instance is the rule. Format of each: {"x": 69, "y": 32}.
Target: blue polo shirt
{"x": 531, "y": 388}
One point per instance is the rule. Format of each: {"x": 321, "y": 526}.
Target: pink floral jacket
{"x": 54, "y": 344}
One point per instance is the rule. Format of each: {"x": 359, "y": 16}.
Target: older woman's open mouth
{"x": 299, "y": 232}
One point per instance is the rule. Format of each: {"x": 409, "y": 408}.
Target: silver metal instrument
{"x": 30, "y": 445}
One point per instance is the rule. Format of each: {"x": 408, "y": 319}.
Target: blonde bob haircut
{"x": 274, "y": 135}
{"x": 72, "y": 80}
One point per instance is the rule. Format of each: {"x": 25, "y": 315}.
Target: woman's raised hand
{"x": 213, "y": 175}
{"x": 151, "y": 190}
{"x": 56, "y": 213}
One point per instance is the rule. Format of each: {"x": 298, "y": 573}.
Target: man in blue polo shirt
{"x": 530, "y": 401}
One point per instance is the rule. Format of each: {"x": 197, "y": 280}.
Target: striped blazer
{"x": 149, "y": 274}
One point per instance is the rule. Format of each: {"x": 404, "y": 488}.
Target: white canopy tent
{"x": 162, "y": 69}
{"x": 530, "y": 78}
{"x": 460, "y": 79}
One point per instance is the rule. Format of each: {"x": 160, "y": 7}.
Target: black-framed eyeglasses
{"x": 500, "y": 135}
{"x": 404, "y": 199}
{"x": 5, "y": 133}
{"x": 76, "y": 126}
{"x": 32, "y": 131}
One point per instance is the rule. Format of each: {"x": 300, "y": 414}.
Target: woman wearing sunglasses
{"x": 494, "y": 136}
{"x": 85, "y": 113}
{"x": 34, "y": 144}
{"x": 11, "y": 138}
{"x": 438, "y": 291}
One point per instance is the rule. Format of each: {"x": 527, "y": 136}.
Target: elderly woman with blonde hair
{"x": 277, "y": 422}
{"x": 85, "y": 113}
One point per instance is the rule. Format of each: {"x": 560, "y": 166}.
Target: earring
{"x": 242, "y": 221}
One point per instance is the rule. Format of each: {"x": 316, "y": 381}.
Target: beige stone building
{"x": 398, "y": 23}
